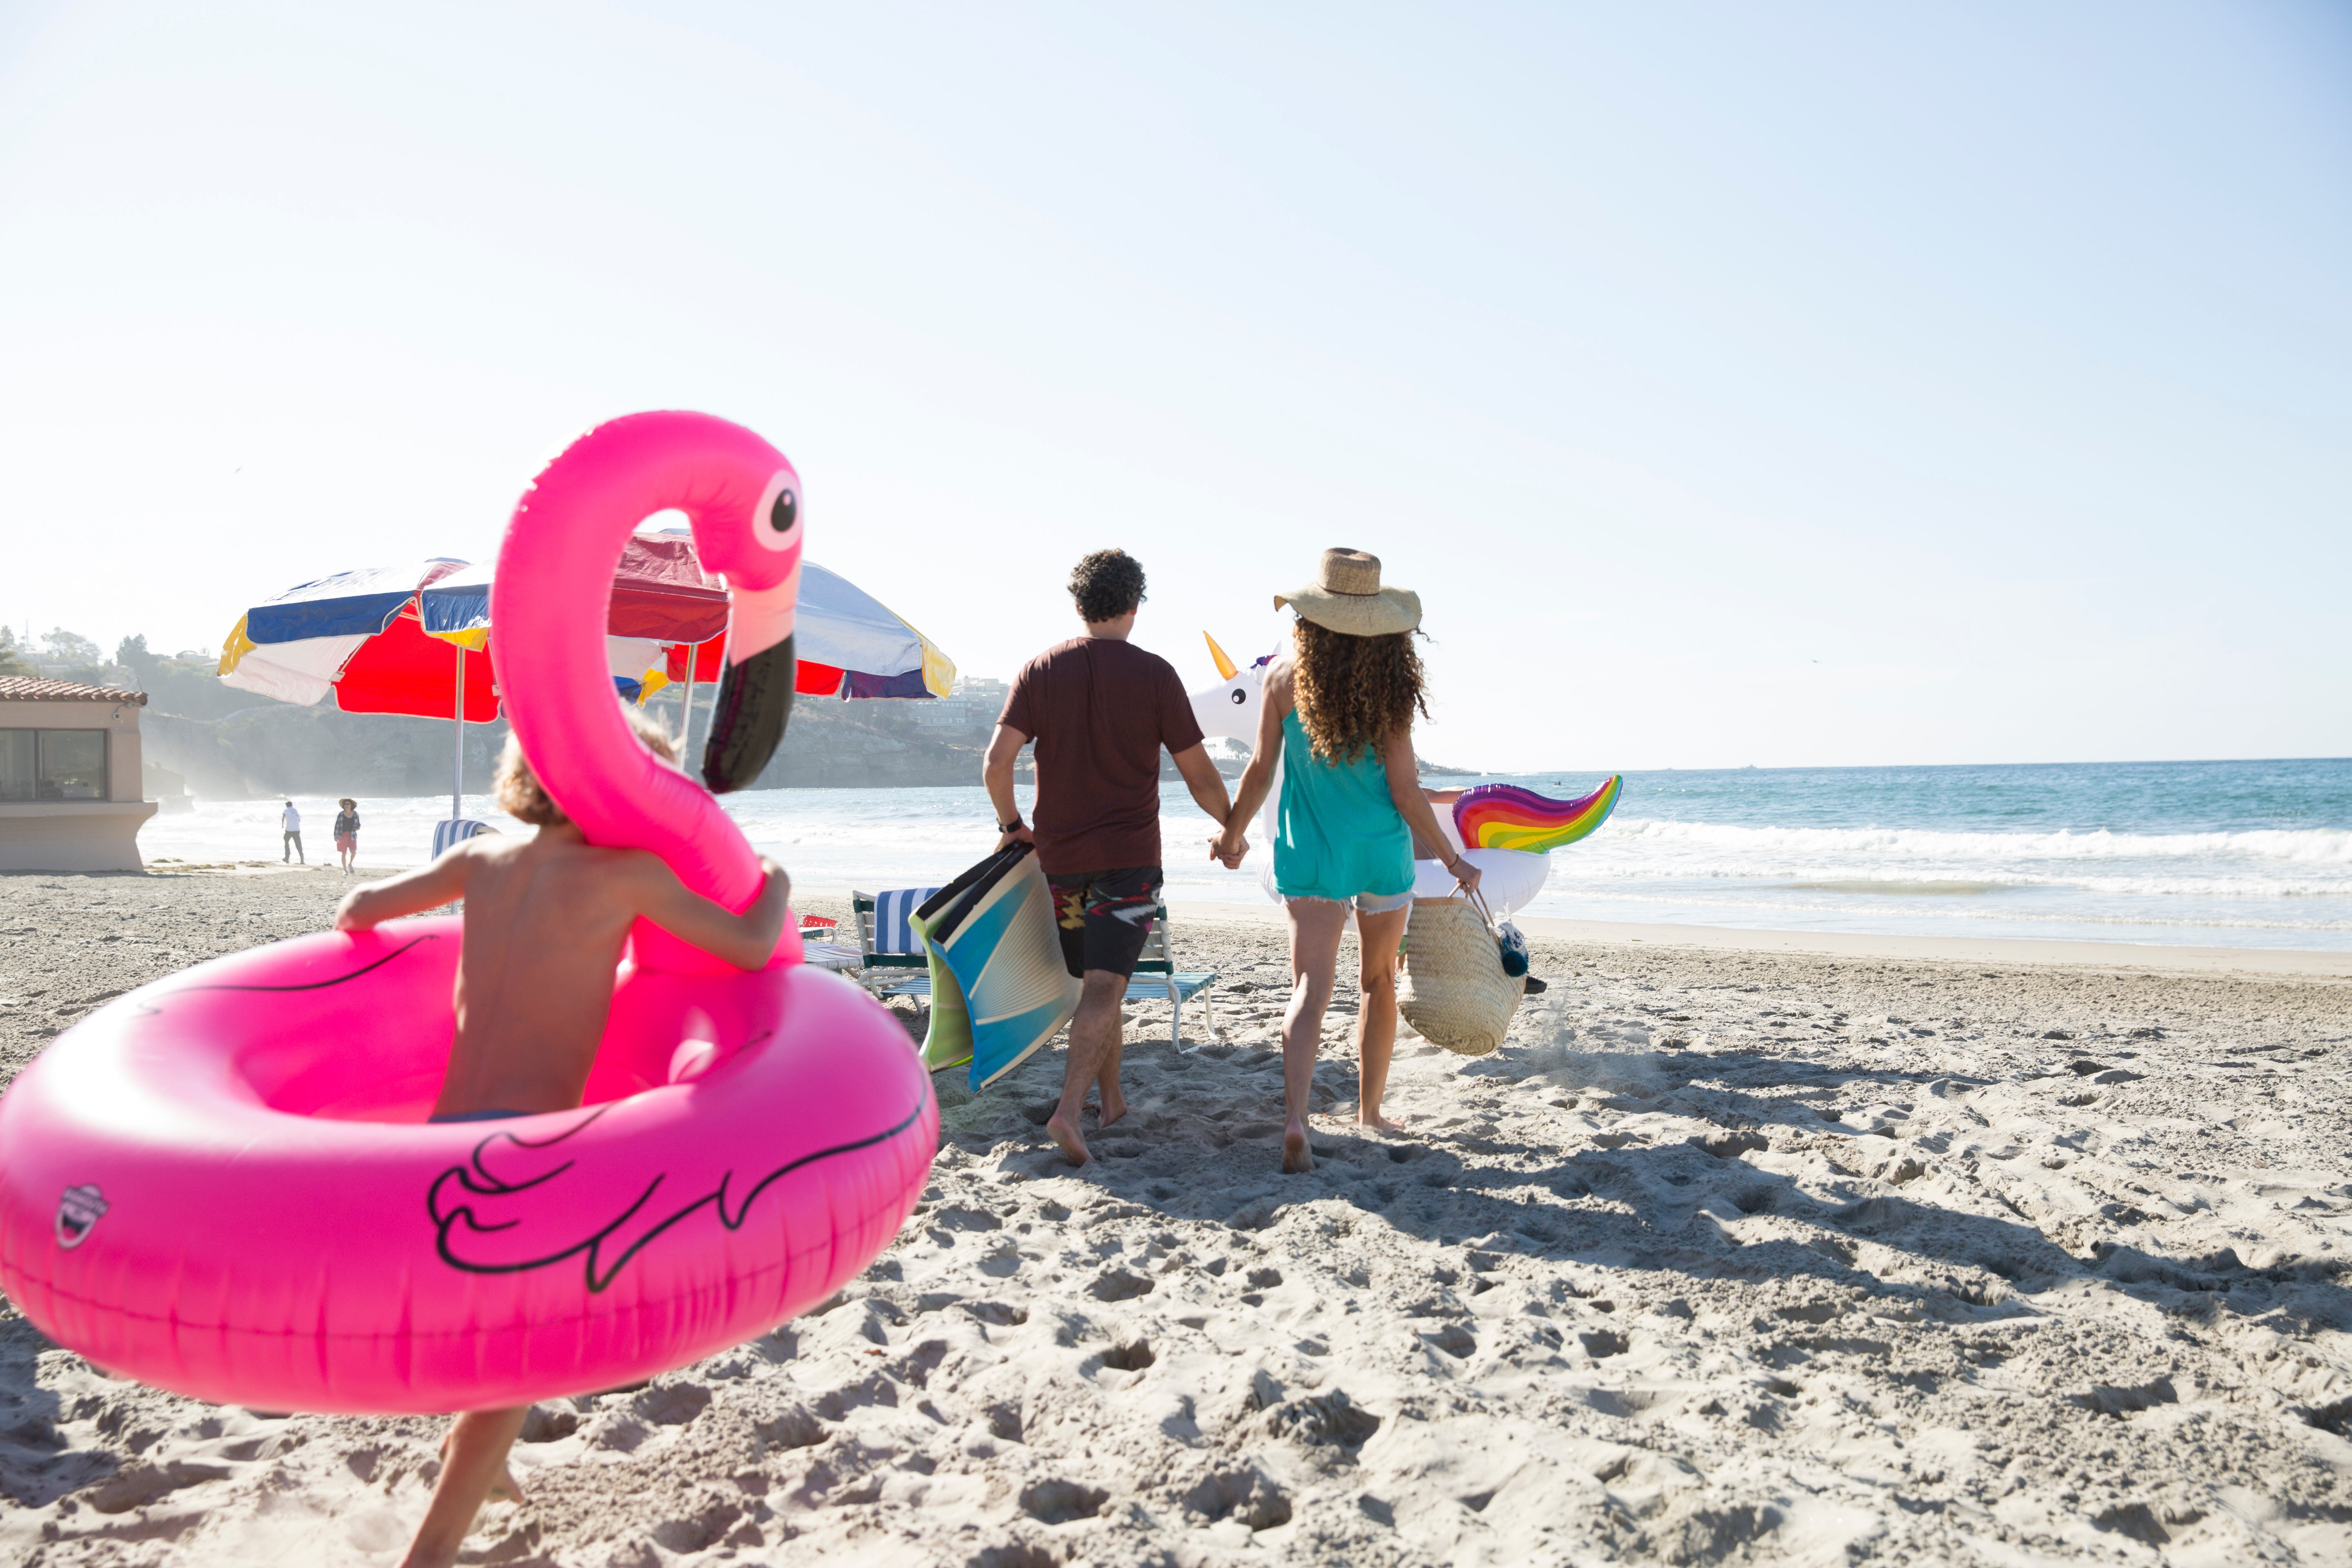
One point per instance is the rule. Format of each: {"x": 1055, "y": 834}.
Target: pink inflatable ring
{"x": 222, "y": 1183}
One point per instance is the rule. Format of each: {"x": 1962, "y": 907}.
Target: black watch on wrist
{"x": 1008, "y": 827}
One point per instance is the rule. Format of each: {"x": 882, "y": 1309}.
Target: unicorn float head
{"x": 1506, "y": 831}
{"x": 1231, "y": 709}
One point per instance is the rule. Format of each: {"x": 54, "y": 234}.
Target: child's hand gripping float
{"x": 221, "y": 1184}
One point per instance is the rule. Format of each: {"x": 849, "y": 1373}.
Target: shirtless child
{"x": 545, "y": 919}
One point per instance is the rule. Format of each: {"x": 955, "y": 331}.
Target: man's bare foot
{"x": 1066, "y": 1134}
{"x": 1379, "y": 1124}
{"x": 1298, "y": 1157}
{"x": 1113, "y": 1107}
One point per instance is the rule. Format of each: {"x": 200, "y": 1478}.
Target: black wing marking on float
{"x": 147, "y": 1007}
{"x": 448, "y": 1203}
{"x": 316, "y": 985}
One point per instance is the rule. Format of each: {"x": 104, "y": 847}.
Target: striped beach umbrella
{"x": 355, "y": 637}
{"x": 849, "y": 644}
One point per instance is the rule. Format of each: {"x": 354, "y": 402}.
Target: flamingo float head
{"x": 758, "y": 549}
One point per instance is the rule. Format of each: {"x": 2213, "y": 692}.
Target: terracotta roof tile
{"x": 29, "y": 689}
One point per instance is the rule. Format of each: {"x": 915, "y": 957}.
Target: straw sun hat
{"x": 1346, "y": 596}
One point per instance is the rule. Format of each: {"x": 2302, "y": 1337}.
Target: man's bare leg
{"x": 1376, "y": 1013}
{"x": 1108, "y": 1096}
{"x": 1315, "y": 926}
{"x": 1094, "y": 1028}
{"x": 473, "y": 1462}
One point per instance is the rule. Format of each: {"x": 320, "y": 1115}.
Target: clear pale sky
{"x": 1737, "y": 383}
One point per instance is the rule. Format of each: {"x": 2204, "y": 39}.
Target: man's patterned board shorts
{"x": 1106, "y": 917}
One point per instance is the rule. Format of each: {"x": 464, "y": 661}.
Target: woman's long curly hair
{"x": 1353, "y": 691}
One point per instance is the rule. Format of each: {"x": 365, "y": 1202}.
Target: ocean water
{"x": 2241, "y": 854}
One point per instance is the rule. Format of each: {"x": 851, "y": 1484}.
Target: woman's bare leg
{"x": 1315, "y": 926}
{"x": 1376, "y": 1013}
{"x": 473, "y": 1469}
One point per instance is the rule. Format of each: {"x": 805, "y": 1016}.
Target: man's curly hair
{"x": 1107, "y": 584}
{"x": 1354, "y": 691}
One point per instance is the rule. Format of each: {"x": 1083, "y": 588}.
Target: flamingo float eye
{"x": 777, "y": 520}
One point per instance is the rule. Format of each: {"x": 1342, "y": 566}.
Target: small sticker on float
{"x": 78, "y": 1208}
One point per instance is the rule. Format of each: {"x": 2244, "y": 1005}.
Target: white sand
{"x": 1736, "y": 1253}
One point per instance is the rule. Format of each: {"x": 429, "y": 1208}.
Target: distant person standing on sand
{"x": 289, "y": 823}
{"x": 347, "y": 832}
{"x": 1339, "y": 712}
{"x": 1100, "y": 709}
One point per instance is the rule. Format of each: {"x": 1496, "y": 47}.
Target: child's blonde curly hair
{"x": 520, "y": 795}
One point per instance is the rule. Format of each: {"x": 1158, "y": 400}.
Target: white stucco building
{"x": 70, "y": 788}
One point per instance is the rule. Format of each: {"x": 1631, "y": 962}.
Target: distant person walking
{"x": 1100, "y": 709}
{"x": 1339, "y": 712}
{"x": 289, "y": 822}
{"x": 347, "y": 832}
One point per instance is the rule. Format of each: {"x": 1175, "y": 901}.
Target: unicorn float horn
{"x": 1226, "y": 667}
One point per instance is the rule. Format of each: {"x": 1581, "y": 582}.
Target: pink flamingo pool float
{"x": 222, "y": 1183}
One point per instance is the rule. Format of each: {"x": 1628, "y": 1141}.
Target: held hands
{"x": 1228, "y": 847}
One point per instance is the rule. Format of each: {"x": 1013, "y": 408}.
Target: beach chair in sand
{"x": 1156, "y": 976}
{"x": 821, "y": 946}
{"x": 891, "y": 959}
{"x": 450, "y": 833}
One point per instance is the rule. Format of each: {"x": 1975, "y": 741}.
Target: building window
{"x": 52, "y": 765}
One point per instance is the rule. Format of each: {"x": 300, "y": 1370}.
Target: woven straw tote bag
{"x": 1450, "y": 985}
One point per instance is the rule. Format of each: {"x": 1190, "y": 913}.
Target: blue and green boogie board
{"x": 999, "y": 987}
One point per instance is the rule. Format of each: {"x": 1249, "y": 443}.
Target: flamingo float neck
{"x": 548, "y": 608}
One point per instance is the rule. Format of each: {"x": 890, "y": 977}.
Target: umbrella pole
{"x": 457, "y": 770}
{"x": 686, "y": 718}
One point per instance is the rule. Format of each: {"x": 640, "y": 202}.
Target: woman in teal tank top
{"x": 1337, "y": 833}
{"x": 1335, "y": 729}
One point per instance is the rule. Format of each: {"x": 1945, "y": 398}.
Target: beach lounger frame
{"x": 885, "y": 973}
{"x": 1156, "y": 976}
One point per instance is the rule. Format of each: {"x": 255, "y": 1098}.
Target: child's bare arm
{"x": 746, "y": 940}
{"x": 410, "y": 893}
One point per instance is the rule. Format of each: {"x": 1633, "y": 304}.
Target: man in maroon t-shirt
{"x": 1100, "y": 709}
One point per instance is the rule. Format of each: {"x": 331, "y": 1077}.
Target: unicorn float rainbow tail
{"x": 1504, "y": 816}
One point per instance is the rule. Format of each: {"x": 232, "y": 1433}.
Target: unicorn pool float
{"x": 223, "y": 1185}
{"x": 1506, "y": 831}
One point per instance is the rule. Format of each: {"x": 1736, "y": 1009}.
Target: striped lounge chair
{"x": 891, "y": 956}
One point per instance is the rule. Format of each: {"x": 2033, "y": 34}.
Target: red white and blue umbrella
{"x": 355, "y": 637}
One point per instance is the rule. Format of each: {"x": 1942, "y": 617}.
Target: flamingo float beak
{"x": 755, "y": 690}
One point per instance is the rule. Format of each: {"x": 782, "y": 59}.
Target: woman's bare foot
{"x": 1067, "y": 1133}
{"x": 1298, "y": 1155}
{"x": 1379, "y": 1124}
